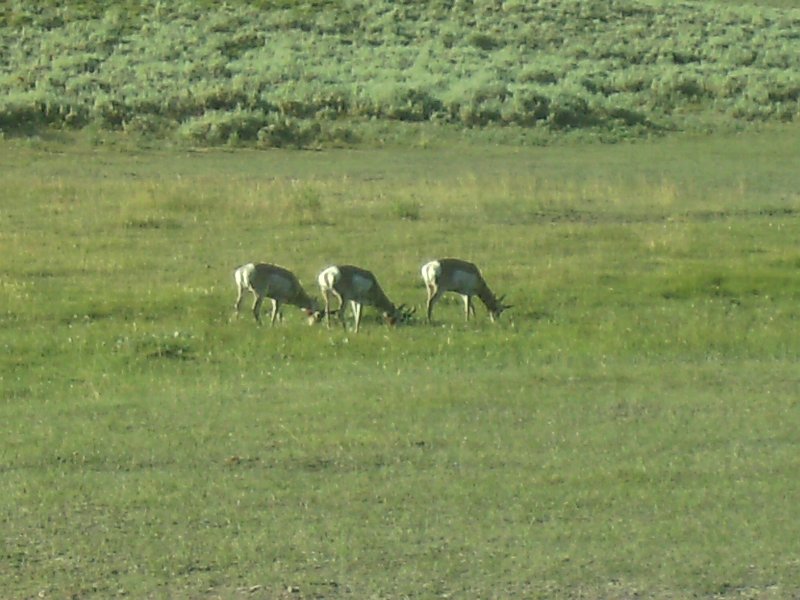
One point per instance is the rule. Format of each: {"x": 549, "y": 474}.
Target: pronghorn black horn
{"x": 404, "y": 312}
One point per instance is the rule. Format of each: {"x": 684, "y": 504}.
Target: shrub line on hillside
{"x": 301, "y": 74}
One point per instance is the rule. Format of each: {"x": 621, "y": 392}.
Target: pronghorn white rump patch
{"x": 328, "y": 278}
{"x": 431, "y": 271}
{"x": 242, "y": 275}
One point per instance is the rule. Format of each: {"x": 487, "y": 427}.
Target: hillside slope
{"x": 320, "y": 72}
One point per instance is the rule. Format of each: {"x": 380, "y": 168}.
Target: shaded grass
{"x": 628, "y": 428}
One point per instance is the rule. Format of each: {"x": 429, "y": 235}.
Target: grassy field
{"x": 628, "y": 429}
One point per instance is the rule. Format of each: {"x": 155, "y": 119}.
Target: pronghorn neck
{"x": 304, "y": 301}
{"x": 488, "y": 298}
{"x": 382, "y": 302}
{"x": 365, "y": 289}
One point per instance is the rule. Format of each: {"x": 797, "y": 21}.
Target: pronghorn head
{"x": 498, "y": 308}
{"x": 315, "y": 315}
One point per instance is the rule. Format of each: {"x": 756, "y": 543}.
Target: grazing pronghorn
{"x": 461, "y": 277}
{"x": 276, "y": 283}
{"x": 358, "y": 287}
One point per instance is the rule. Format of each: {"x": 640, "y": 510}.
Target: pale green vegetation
{"x": 628, "y": 429}
{"x": 333, "y": 73}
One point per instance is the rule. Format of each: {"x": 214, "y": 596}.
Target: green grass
{"x": 628, "y": 428}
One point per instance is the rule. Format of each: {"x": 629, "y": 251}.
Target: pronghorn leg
{"x": 275, "y": 309}
{"x": 257, "y": 307}
{"x": 433, "y": 296}
{"x": 327, "y": 298}
{"x": 428, "y": 306}
{"x": 239, "y": 298}
{"x": 467, "y": 305}
{"x": 357, "y": 313}
{"x": 471, "y": 305}
{"x": 342, "y": 306}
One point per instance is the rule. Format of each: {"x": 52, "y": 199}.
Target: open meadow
{"x": 628, "y": 429}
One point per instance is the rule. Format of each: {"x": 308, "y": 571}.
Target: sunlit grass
{"x": 627, "y": 428}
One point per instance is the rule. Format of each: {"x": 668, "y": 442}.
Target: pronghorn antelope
{"x": 358, "y": 287}
{"x": 461, "y": 277}
{"x": 276, "y": 283}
